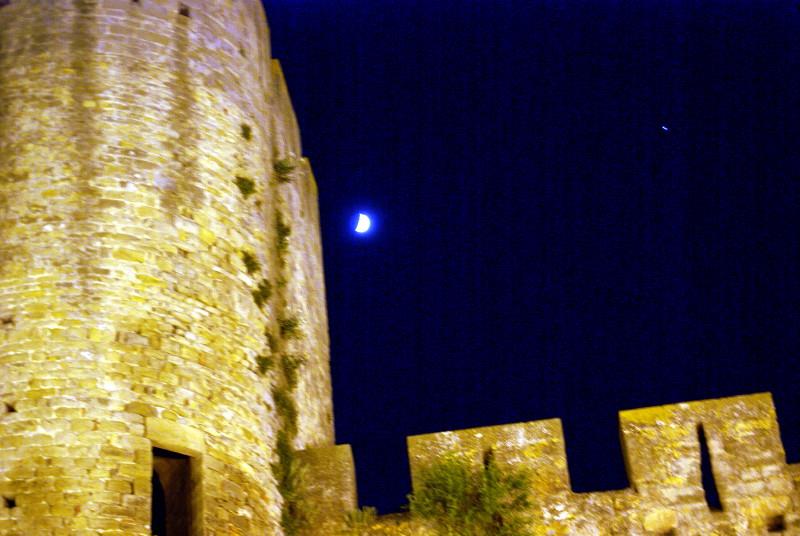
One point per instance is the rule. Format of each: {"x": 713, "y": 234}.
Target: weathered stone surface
{"x": 758, "y": 490}
{"x": 331, "y": 485}
{"x": 123, "y": 294}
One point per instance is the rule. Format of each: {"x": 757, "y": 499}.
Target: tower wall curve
{"x": 135, "y": 144}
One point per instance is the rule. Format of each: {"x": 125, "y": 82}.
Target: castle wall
{"x": 662, "y": 454}
{"x": 758, "y": 490}
{"x": 127, "y": 315}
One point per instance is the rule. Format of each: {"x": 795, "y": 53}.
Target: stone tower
{"x": 163, "y": 333}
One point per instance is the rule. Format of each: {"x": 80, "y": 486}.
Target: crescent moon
{"x": 364, "y": 223}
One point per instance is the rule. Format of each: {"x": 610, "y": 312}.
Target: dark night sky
{"x": 545, "y": 248}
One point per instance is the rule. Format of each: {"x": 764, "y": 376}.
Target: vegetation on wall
{"x": 290, "y": 473}
{"x": 291, "y": 364}
{"x": 247, "y": 132}
{"x": 264, "y": 363}
{"x": 262, "y": 293}
{"x": 282, "y": 234}
{"x": 272, "y": 343}
{"x": 283, "y": 170}
{"x": 251, "y": 264}
{"x": 359, "y": 521}
{"x": 290, "y": 327}
{"x": 461, "y": 499}
{"x": 246, "y": 186}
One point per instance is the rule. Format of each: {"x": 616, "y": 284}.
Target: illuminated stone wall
{"x": 661, "y": 445}
{"x": 138, "y": 140}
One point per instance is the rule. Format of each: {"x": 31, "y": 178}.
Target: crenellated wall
{"x": 161, "y": 286}
{"x": 138, "y": 140}
{"x": 662, "y": 451}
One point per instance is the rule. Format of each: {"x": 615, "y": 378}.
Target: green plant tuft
{"x": 290, "y": 327}
{"x": 282, "y": 233}
{"x": 358, "y": 522}
{"x": 291, "y": 475}
{"x": 251, "y": 264}
{"x": 246, "y": 186}
{"x": 464, "y": 500}
{"x": 291, "y": 363}
{"x": 287, "y": 410}
{"x": 262, "y": 293}
{"x": 283, "y": 170}
{"x": 272, "y": 343}
{"x": 265, "y": 363}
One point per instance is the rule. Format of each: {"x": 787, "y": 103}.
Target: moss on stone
{"x": 291, "y": 364}
{"x": 461, "y": 498}
{"x": 282, "y": 233}
{"x": 283, "y": 170}
{"x": 265, "y": 363}
{"x": 251, "y": 264}
{"x": 262, "y": 293}
{"x": 287, "y": 410}
{"x": 246, "y": 186}
{"x": 359, "y": 521}
{"x": 290, "y": 327}
{"x": 291, "y": 475}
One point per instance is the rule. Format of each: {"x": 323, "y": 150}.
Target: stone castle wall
{"x": 757, "y": 489}
{"x": 155, "y": 265}
{"x": 137, "y": 145}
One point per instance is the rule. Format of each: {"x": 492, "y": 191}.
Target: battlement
{"x": 662, "y": 451}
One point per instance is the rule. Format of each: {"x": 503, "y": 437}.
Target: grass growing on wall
{"x": 291, "y": 476}
{"x": 358, "y": 522}
{"x": 283, "y": 170}
{"x": 246, "y": 186}
{"x": 251, "y": 264}
{"x": 288, "y": 469}
{"x": 264, "y": 363}
{"x": 290, "y": 327}
{"x": 461, "y": 499}
{"x": 282, "y": 234}
{"x": 262, "y": 293}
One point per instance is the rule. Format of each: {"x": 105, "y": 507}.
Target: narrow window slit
{"x": 9, "y": 502}
{"x": 707, "y": 473}
{"x": 247, "y": 132}
{"x": 184, "y": 11}
{"x": 7, "y": 321}
{"x": 9, "y": 407}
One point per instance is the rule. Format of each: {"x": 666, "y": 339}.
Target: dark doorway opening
{"x": 709, "y": 484}
{"x": 172, "y": 494}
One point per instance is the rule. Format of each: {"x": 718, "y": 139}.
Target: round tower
{"x": 159, "y": 252}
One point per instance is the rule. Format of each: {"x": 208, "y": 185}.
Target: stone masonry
{"x": 661, "y": 447}
{"x": 138, "y": 140}
{"x": 162, "y": 306}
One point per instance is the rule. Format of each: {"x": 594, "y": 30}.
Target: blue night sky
{"x": 545, "y": 247}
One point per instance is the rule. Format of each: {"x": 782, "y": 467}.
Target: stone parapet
{"x": 662, "y": 451}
